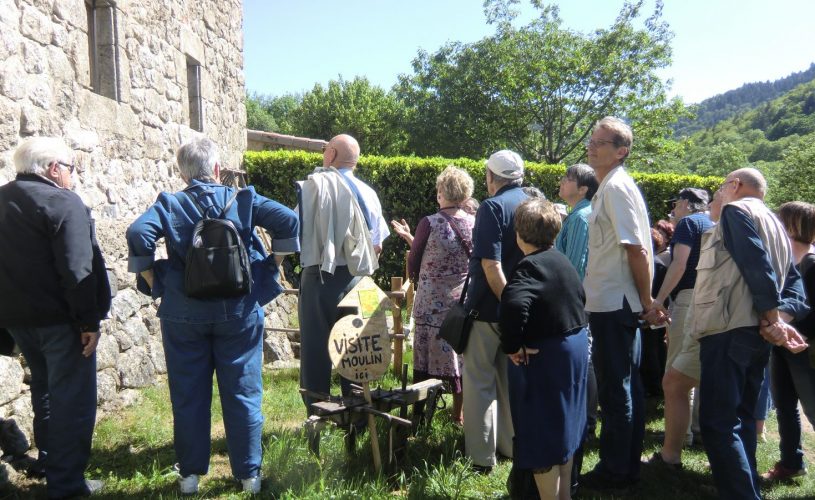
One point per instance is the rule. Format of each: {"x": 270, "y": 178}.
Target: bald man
{"x": 746, "y": 288}
{"x": 335, "y": 252}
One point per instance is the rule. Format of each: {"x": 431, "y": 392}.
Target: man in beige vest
{"x": 746, "y": 288}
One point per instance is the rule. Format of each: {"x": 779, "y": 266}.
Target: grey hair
{"x": 35, "y": 154}
{"x": 623, "y": 135}
{"x": 503, "y": 181}
{"x": 697, "y": 206}
{"x": 197, "y": 159}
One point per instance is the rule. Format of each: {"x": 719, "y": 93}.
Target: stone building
{"x": 125, "y": 83}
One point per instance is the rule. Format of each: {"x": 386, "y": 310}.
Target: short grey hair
{"x": 623, "y": 135}
{"x": 197, "y": 159}
{"x": 35, "y": 154}
{"x": 503, "y": 181}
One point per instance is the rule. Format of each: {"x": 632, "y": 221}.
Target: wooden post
{"x": 398, "y": 340}
{"x": 366, "y": 390}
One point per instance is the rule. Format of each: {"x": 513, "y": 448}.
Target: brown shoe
{"x": 780, "y": 473}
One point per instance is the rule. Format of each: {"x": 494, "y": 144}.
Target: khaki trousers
{"x": 487, "y": 418}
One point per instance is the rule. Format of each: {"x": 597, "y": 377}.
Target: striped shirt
{"x": 573, "y": 239}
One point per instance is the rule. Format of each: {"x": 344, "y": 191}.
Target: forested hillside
{"x": 751, "y": 95}
{"x": 777, "y": 137}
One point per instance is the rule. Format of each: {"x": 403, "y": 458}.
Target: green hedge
{"x": 407, "y": 187}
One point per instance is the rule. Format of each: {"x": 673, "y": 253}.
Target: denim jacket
{"x": 173, "y": 217}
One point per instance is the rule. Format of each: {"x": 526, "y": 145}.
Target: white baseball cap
{"x": 506, "y": 164}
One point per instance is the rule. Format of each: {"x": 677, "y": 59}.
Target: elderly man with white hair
{"x": 487, "y": 419}
{"x": 221, "y": 335}
{"x": 55, "y": 293}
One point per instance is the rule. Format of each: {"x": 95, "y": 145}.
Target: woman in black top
{"x": 543, "y": 331}
{"x": 792, "y": 375}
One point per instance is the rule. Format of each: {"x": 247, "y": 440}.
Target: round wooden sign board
{"x": 360, "y": 349}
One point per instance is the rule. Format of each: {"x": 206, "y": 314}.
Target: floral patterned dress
{"x": 440, "y": 281}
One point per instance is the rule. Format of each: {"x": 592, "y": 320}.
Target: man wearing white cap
{"x": 487, "y": 419}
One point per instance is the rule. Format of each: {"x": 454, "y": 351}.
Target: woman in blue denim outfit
{"x": 224, "y": 336}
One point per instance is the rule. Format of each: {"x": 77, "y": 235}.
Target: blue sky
{"x": 289, "y": 45}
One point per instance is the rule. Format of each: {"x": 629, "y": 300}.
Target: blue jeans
{"x": 765, "y": 401}
{"x": 63, "y": 395}
{"x": 616, "y": 359}
{"x": 233, "y": 350}
{"x": 792, "y": 379}
{"x": 733, "y": 365}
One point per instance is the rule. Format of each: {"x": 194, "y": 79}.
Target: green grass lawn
{"x": 133, "y": 452}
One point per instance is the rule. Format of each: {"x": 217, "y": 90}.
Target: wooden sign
{"x": 360, "y": 348}
{"x": 359, "y": 344}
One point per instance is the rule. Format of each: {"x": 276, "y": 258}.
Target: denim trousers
{"x": 733, "y": 365}
{"x": 616, "y": 359}
{"x": 63, "y": 396}
{"x": 792, "y": 379}
{"x": 233, "y": 350}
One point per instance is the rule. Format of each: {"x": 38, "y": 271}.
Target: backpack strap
{"x": 229, "y": 203}
{"x": 203, "y": 211}
{"x": 195, "y": 202}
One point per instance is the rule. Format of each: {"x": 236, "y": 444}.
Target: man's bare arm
{"x": 495, "y": 276}
{"x": 675, "y": 271}
{"x": 638, "y": 262}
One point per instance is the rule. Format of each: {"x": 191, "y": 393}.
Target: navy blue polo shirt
{"x": 494, "y": 239}
{"x": 689, "y": 232}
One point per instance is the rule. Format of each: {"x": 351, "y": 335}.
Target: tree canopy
{"x": 539, "y": 88}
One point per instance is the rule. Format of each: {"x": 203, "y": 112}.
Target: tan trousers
{"x": 487, "y": 419}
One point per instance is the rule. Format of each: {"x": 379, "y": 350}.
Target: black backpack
{"x": 217, "y": 264}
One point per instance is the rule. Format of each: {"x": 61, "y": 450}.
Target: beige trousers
{"x": 487, "y": 419}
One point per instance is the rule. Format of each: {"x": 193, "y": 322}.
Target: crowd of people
{"x": 573, "y": 311}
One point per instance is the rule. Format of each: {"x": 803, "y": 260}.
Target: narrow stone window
{"x": 103, "y": 47}
{"x": 194, "y": 94}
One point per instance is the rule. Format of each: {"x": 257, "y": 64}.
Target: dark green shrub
{"x": 407, "y": 188}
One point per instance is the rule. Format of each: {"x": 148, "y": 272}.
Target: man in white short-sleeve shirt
{"x": 618, "y": 291}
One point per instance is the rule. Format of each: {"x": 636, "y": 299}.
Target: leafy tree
{"x": 257, "y": 117}
{"x": 355, "y": 107}
{"x": 538, "y": 89}
{"x": 283, "y": 108}
{"x": 720, "y": 160}
{"x": 796, "y": 178}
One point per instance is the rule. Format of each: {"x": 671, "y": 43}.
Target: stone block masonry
{"x": 113, "y": 79}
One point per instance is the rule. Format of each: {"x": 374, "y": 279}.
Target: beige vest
{"x": 721, "y": 299}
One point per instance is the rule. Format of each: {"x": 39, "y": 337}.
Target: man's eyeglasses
{"x": 596, "y": 143}
{"x": 325, "y": 146}
{"x": 725, "y": 183}
{"x": 69, "y": 166}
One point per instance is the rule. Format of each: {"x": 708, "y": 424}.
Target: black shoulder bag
{"x": 455, "y": 328}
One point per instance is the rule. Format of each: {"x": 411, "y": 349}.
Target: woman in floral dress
{"x": 439, "y": 252}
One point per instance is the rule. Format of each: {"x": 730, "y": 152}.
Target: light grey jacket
{"x": 334, "y": 231}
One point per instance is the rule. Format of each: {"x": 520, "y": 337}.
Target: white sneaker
{"x": 188, "y": 484}
{"x": 251, "y": 485}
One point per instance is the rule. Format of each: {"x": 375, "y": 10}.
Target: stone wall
{"x": 124, "y": 94}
